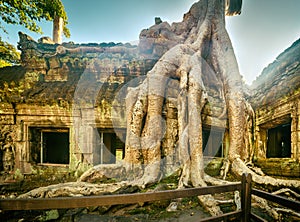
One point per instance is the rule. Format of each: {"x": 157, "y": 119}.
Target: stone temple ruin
{"x": 64, "y": 107}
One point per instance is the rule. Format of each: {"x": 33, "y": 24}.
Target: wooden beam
{"x": 294, "y": 205}
{"x": 246, "y": 197}
{"x": 89, "y": 201}
{"x": 257, "y": 218}
{"x": 224, "y": 217}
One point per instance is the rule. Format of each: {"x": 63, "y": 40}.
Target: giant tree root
{"x": 287, "y": 192}
{"x": 72, "y": 189}
{"x": 288, "y": 211}
{"x": 105, "y": 172}
{"x": 102, "y": 172}
{"x": 263, "y": 204}
{"x": 238, "y": 167}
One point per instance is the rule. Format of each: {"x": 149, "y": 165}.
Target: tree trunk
{"x": 58, "y": 25}
{"x": 206, "y": 46}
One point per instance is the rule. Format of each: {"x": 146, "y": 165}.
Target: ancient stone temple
{"x": 65, "y": 105}
{"x": 275, "y": 96}
{"x": 56, "y": 106}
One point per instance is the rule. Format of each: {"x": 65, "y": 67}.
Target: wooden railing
{"x": 89, "y": 201}
{"x": 244, "y": 187}
{"x": 291, "y": 204}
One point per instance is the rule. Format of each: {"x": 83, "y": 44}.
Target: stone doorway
{"x": 279, "y": 141}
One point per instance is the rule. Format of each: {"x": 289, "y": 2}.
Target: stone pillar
{"x": 58, "y": 25}
{"x": 296, "y": 132}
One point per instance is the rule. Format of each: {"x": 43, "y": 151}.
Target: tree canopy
{"x": 27, "y": 13}
{"x": 8, "y": 54}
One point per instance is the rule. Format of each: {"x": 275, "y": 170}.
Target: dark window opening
{"x": 49, "y": 145}
{"x": 212, "y": 143}
{"x": 55, "y": 147}
{"x": 279, "y": 142}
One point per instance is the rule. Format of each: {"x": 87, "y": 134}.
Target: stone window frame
{"x": 44, "y": 128}
{"x": 262, "y": 134}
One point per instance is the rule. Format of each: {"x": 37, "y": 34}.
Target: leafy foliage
{"x": 8, "y": 54}
{"x": 28, "y": 12}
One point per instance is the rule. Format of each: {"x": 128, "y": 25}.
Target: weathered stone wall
{"x": 83, "y": 88}
{"x": 276, "y": 114}
{"x": 65, "y": 86}
{"x": 276, "y": 100}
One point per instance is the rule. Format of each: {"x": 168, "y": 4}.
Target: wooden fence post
{"x": 246, "y": 197}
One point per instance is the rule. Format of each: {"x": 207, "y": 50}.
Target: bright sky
{"x": 263, "y": 30}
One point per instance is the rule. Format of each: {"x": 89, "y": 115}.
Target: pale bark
{"x": 207, "y": 42}
{"x": 287, "y": 192}
{"x": 58, "y": 25}
{"x": 72, "y": 189}
{"x": 263, "y": 204}
{"x": 288, "y": 211}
